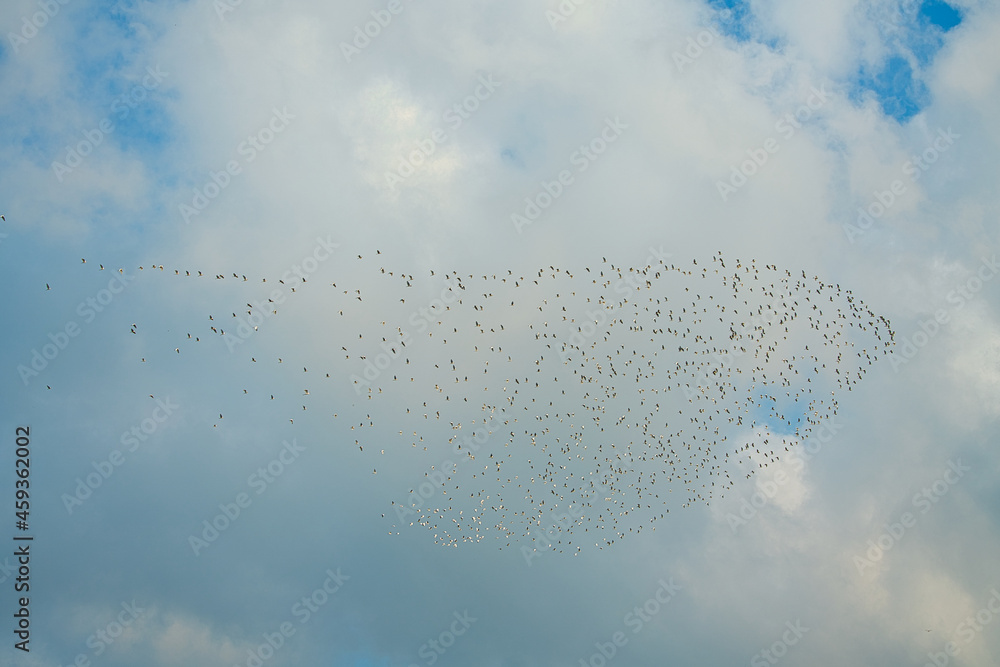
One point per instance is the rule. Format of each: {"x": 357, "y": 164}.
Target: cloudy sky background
{"x": 895, "y": 77}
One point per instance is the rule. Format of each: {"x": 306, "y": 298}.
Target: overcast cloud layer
{"x": 852, "y": 141}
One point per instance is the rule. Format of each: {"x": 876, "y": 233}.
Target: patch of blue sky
{"x": 735, "y": 19}
{"x": 94, "y": 75}
{"x": 144, "y": 127}
{"x": 940, "y": 14}
{"x": 922, "y": 32}
{"x": 913, "y": 38}
{"x": 766, "y": 414}
{"x": 900, "y": 94}
{"x": 110, "y": 50}
{"x": 111, "y": 65}
{"x": 732, "y": 18}
{"x": 32, "y": 142}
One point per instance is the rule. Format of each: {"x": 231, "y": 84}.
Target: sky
{"x": 195, "y": 501}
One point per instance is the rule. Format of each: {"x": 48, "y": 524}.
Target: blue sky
{"x": 848, "y": 143}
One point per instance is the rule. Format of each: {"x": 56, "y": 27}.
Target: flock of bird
{"x": 564, "y": 407}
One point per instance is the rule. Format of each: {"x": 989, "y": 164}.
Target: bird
{"x": 610, "y": 396}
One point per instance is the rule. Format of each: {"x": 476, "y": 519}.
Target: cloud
{"x": 893, "y": 80}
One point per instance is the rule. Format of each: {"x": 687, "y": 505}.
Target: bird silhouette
{"x": 577, "y": 407}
